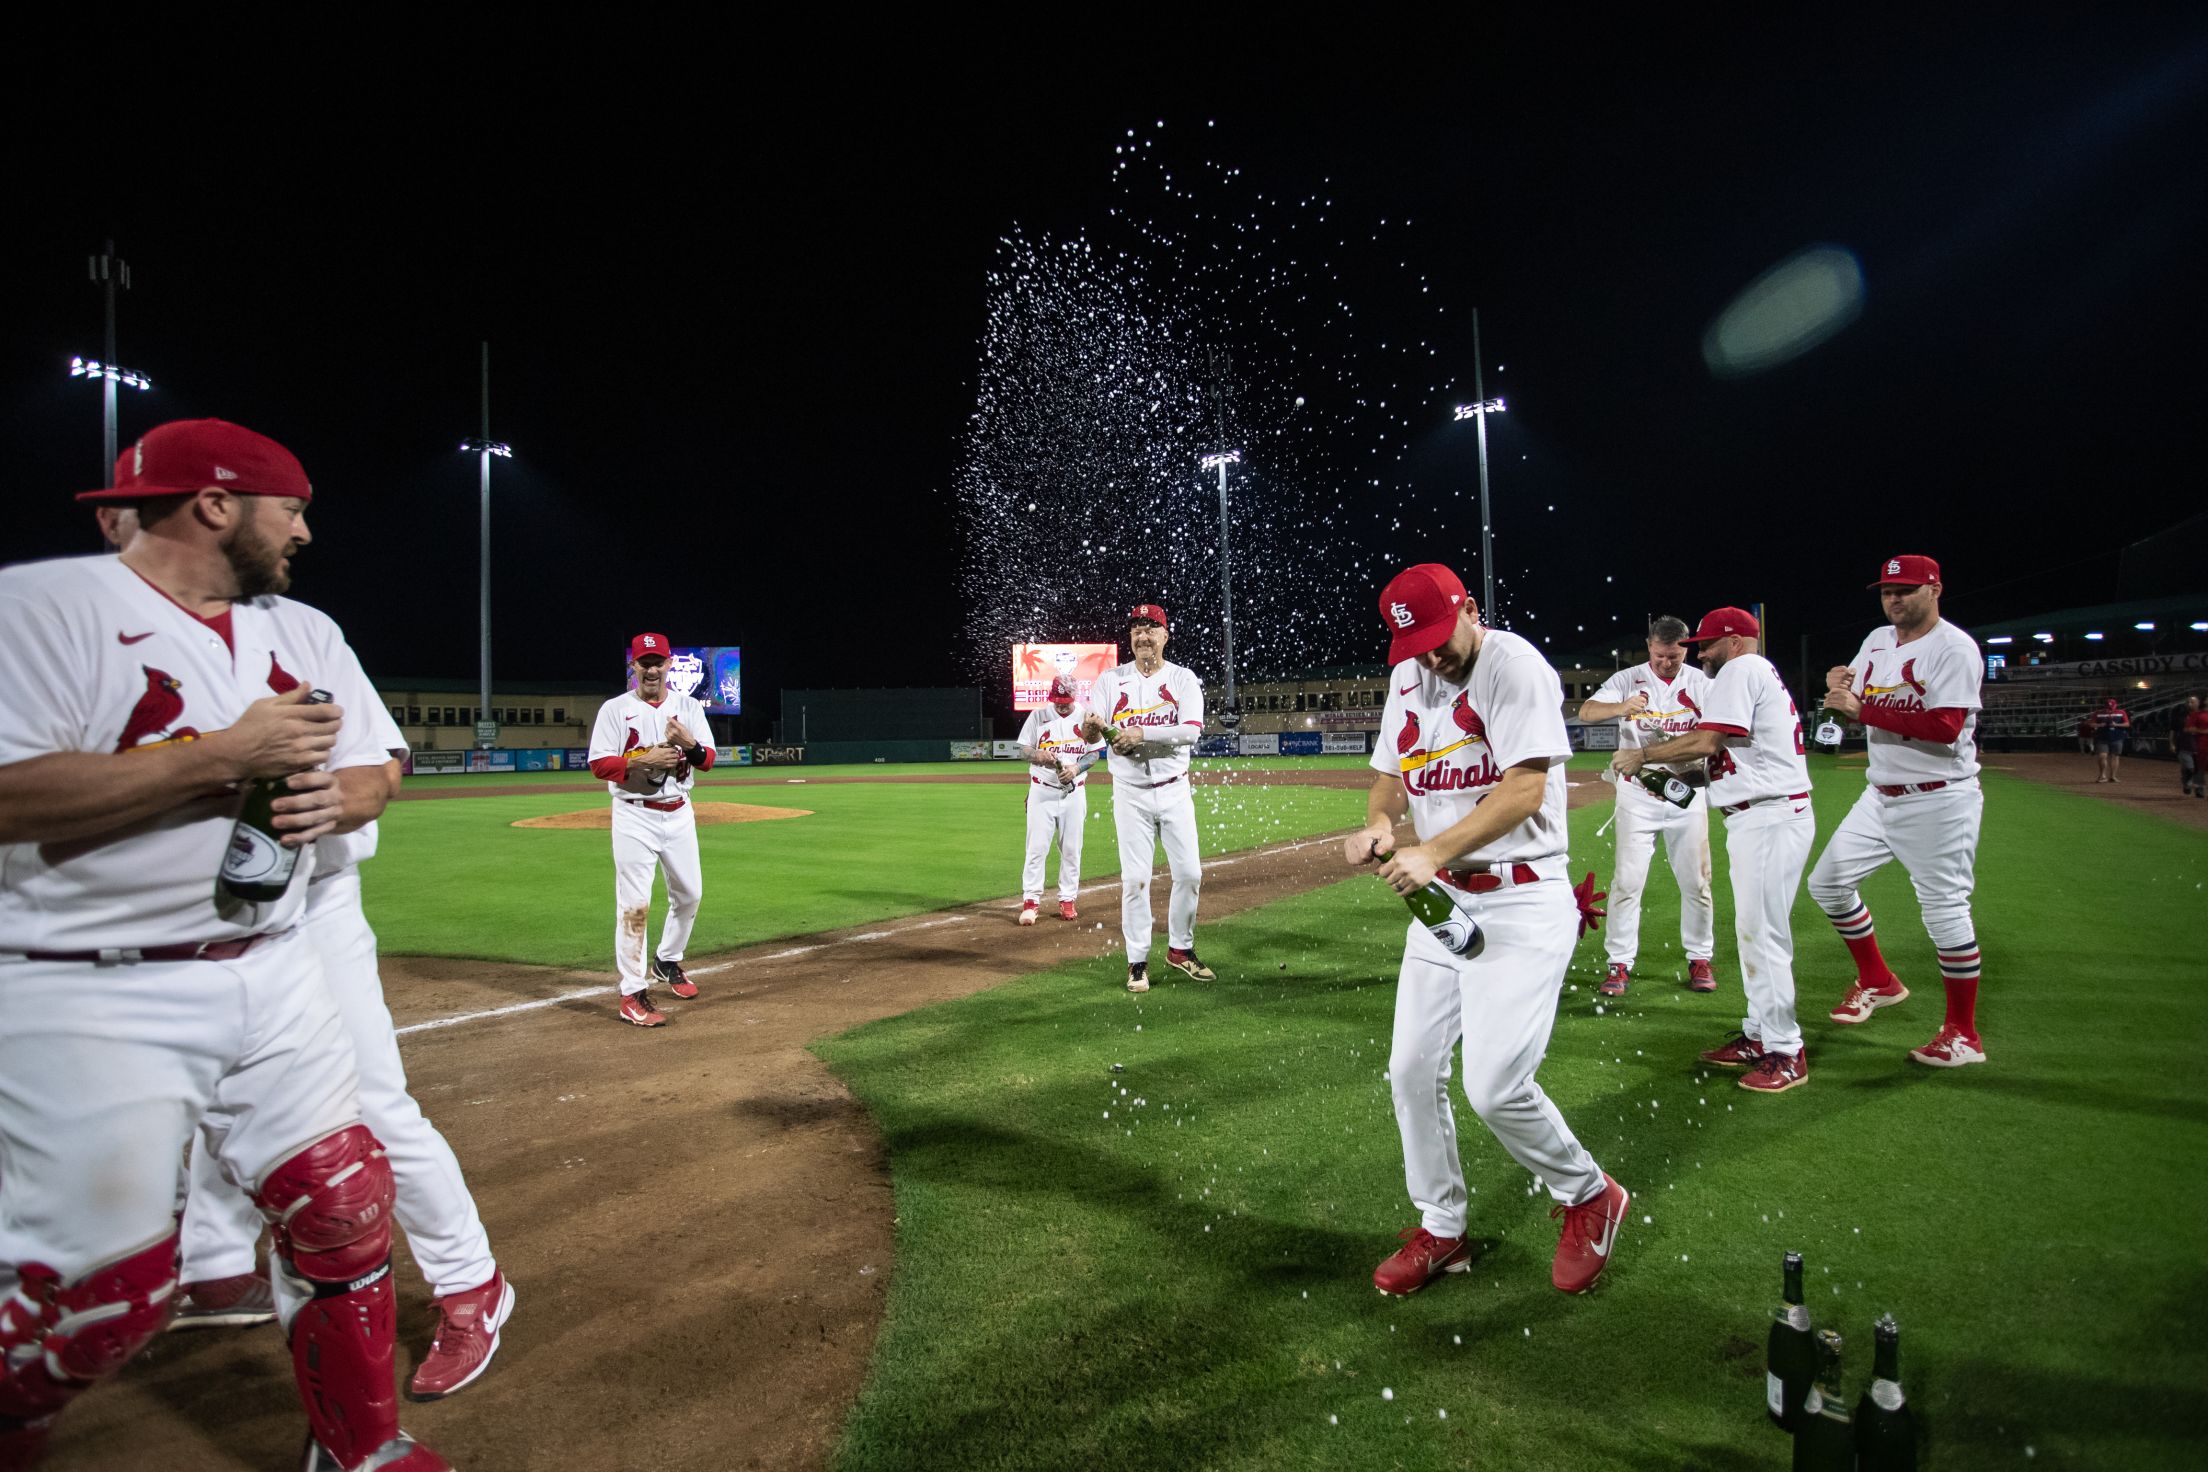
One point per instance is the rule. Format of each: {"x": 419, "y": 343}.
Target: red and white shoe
{"x": 1066, "y": 911}
{"x": 467, "y": 1337}
{"x": 637, "y": 1007}
{"x": 1742, "y": 1051}
{"x": 1700, "y": 978}
{"x": 402, "y": 1453}
{"x": 1775, "y": 1073}
{"x": 1951, "y": 1047}
{"x": 1027, "y": 912}
{"x": 1590, "y": 1232}
{"x": 1616, "y": 980}
{"x": 1422, "y": 1258}
{"x": 1863, "y": 999}
{"x": 671, "y": 973}
{"x": 223, "y": 1303}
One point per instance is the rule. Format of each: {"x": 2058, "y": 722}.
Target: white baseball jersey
{"x": 1674, "y": 705}
{"x": 1761, "y": 756}
{"x": 93, "y": 658}
{"x": 1166, "y": 709}
{"x": 337, "y": 670}
{"x": 1452, "y": 743}
{"x": 1939, "y": 671}
{"x": 1056, "y": 736}
{"x": 629, "y": 723}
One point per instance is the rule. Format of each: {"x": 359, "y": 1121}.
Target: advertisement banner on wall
{"x": 1005, "y": 750}
{"x": 969, "y": 751}
{"x": 1369, "y": 717}
{"x": 1594, "y": 736}
{"x": 578, "y": 758}
{"x": 430, "y": 763}
{"x": 733, "y": 756}
{"x": 490, "y": 761}
{"x": 1301, "y": 743}
{"x": 1256, "y": 745}
{"x": 711, "y": 674}
{"x": 1034, "y": 666}
{"x": 1344, "y": 744}
{"x": 777, "y": 756}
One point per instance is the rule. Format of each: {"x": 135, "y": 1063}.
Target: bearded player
{"x": 133, "y": 702}
{"x": 1477, "y": 760}
{"x": 1151, "y": 713}
{"x": 1650, "y": 702}
{"x": 1914, "y": 686}
{"x": 648, "y": 745}
{"x": 1751, "y": 740}
{"x": 1058, "y": 759}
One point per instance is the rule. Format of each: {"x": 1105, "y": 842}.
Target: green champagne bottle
{"x": 1459, "y": 933}
{"x": 1885, "y": 1429}
{"x": 1790, "y": 1358}
{"x": 257, "y": 867}
{"x": 1824, "y": 1437}
{"x": 1676, "y": 788}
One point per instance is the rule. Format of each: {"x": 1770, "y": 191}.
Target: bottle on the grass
{"x": 1459, "y": 933}
{"x": 1790, "y": 1357}
{"x": 1885, "y": 1429}
{"x": 1830, "y": 730}
{"x": 1824, "y": 1437}
{"x": 257, "y": 866}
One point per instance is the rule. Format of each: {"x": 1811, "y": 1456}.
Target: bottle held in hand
{"x": 257, "y": 867}
{"x": 1790, "y": 1356}
{"x": 1676, "y": 788}
{"x": 1824, "y": 1438}
{"x": 1829, "y": 732}
{"x": 1459, "y": 933}
{"x": 1885, "y": 1428}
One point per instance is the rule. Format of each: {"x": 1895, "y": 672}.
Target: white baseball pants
{"x": 98, "y": 1098}
{"x": 1054, "y": 812}
{"x": 442, "y": 1227}
{"x": 1934, "y": 834}
{"x": 1502, "y": 1005}
{"x": 1143, "y": 816}
{"x": 1766, "y": 848}
{"x": 1641, "y": 820}
{"x": 645, "y": 838}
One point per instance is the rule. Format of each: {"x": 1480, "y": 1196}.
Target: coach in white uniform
{"x": 1152, "y": 713}
{"x": 1915, "y": 687}
{"x": 649, "y": 744}
{"x": 1473, "y": 747}
{"x": 1654, "y": 701}
{"x": 1055, "y": 750}
{"x": 1751, "y": 736}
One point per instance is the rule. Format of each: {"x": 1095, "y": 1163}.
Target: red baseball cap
{"x": 1912, "y": 572}
{"x": 185, "y": 456}
{"x": 1146, "y": 613}
{"x": 644, "y": 644}
{"x": 1419, "y": 606}
{"x": 1061, "y": 689}
{"x": 1720, "y": 623}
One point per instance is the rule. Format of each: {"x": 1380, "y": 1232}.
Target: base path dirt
{"x": 708, "y": 814}
{"x": 697, "y": 1218}
{"x": 2144, "y": 786}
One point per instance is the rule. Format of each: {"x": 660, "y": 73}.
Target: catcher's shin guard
{"x": 330, "y": 1208}
{"x": 57, "y": 1340}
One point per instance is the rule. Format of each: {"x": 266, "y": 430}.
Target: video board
{"x": 712, "y": 674}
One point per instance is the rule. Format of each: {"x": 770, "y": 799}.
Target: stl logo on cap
{"x": 1401, "y": 613}
{"x": 1893, "y": 566}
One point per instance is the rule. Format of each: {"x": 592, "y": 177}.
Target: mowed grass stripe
{"x": 1187, "y": 1282}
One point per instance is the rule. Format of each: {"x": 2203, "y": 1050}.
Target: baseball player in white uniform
{"x": 1914, "y": 685}
{"x": 1651, "y": 702}
{"x": 1473, "y": 747}
{"x": 1058, "y": 758}
{"x": 472, "y": 1297}
{"x": 1151, "y": 713}
{"x": 134, "y": 698}
{"x": 649, "y": 744}
{"x": 1751, "y": 738}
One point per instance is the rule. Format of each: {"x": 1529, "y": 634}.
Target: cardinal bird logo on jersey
{"x": 1686, "y": 703}
{"x": 1120, "y": 709}
{"x": 1407, "y": 739}
{"x": 280, "y": 679}
{"x": 1426, "y": 772}
{"x": 155, "y": 712}
{"x": 634, "y": 743}
{"x": 1467, "y": 719}
{"x": 1909, "y": 677}
{"x": 1906, "y": 680}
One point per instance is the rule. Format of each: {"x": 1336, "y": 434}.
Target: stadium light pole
{"x": 1232, "y": 715}
{"x": 1478, "y": 412}
{"x": 484, "y": 447}
{"x": 112, "y": 271}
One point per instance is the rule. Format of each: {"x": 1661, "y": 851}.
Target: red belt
{"x": 1168, "y": 782}
{"x": 658, "y": 806}
{"x": 1742, "y": 807}
{"x": 211, "y": 950}
{"x": 1481, "y": 878}
{"x": 1905, "y": 791}
{"x": 1056, "y": 786}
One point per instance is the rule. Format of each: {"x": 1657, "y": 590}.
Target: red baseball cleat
{"x": 1700, "y": 978}
{"x": 1186, "y": 961}
{"x": 1027, "y": 912}
{"x": 467, "y": 1337}
{"x": 1590, "y": 1231}
{"x": 637, "y": 1007}
{"x": 1951, "y": 1047}
{"x": 402, "y": 1453}
{"x": 1738, "y": 1053}
{"x": 1863, "y": 999}
{"x": 1775, "y": 1073}
{"x": 671, "y": 973}
{"x": 224, "y": 1303}
{"x": 1615, "y": 980}
{"x": 1423, "y": 1258}
{"x": 1066, "y": 911}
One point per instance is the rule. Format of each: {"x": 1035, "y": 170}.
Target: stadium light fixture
{"x": 1219, "y": 461}
{"x": 2145, "y": 627}
{"x": 2044, "y": 638}
{"x": 2096, "y": 638}
{"x": 94, "y": 368}
{"x": 111, "y": 273}
{"x": 2001, "y": 639}
{"x": 483, "y": 447}
{"x": 473, "y": 446}
{"x": 1485, "y": 406}
{"x": 1477, "y": 411}
{"x": 2200, "y": 627}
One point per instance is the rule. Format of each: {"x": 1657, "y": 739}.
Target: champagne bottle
{"x": 1459, "y": 933}
{"x": 1885, "y": 1429}
{"x": 1824, "y": 1438}
{"x": 1676, "y": 788}
{"x": 1830, "y": 730}
{"x": 257, "y": 866}
{"x": 1790, "y": 1359}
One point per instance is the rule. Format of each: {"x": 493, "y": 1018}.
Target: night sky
{"x": 736, "y": 292}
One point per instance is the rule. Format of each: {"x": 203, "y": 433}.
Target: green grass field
{"x": 1170, "y": 1267}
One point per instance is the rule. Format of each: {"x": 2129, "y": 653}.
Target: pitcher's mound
{"x": 708, "y": 813}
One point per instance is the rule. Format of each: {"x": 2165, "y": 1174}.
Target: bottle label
{"x": 1678, "y": 791}
{"x": 1813, "y": 1404}
{"x": 1774, "y": 1391}
{"x": 1797, "y": 1317}
{"x": 1828, "y": 733}
{"x": 253, "y": 857}
{"x": 1886, "y": 1394}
